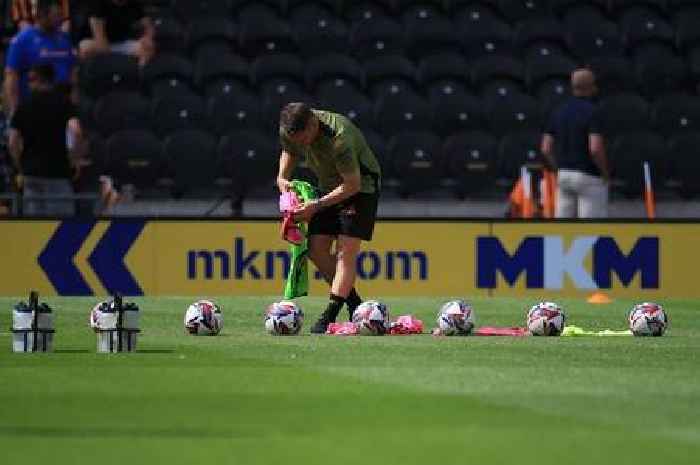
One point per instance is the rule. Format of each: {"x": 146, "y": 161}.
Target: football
{"x": 648, "y": 319}
{"x": 546, "y": 319}
{"x": 371, "y": 318}
{"x": 284, "y": 318}
{"x": 103, "y": 316}
{"x": 456, "y": 318}
{"x": 204, "y": 318}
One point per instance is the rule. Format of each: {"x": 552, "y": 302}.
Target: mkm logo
{"x": 242, "y": 263}
{"x": 545, "y": 261}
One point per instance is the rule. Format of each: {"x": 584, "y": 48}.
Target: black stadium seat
{"x": 469, "y": 158}
{"x": 109, "y": 72}
{"x": 457, "y": 113}
{"x": 613, "y": 75}
{"x": 482, "y": 34}
{"x": 431, "y": 35}
{"x": 677, "y": 113}
{"x": 496, "y": 75}
{"x": 171, "y": 114}
{"x": 599, "y": 39}
{"x": 191, "y": 159}
{"x": 627, "y": 155}
{"x": 376, "y": 37}
{"x": 684, "y": 157}
{"x": 245, "y": 157}
{"x": 227, "y": 75}
{"x": 188, "y": 9}
{"x": 444, "y": 74}
{"x": 318, "y": 34}
{"x": 270, "y": 71}
{"x": 135, "y": 157}
{"x": 168, "y": 75}
{"x": 389, "y": 75}
{"x": 538, "y": 30}
{"x": 518, "y": 113}
{"x": 329, "y": 68}
{"x": 403, "y": 112}
{"x": 517, "y": 150}
{"x": 623, "y": 113}
{"x": 363, "y": 11}
{"x": 564, "y": 7}
{"x": 659, "y": 72}
{"x": 268, "y": 35}
{"x": 211, "y": 31}
{"x": 640, "y": 25}
{"x": 168, "y": 35}
{"x": 353, "y": 104}
{"x": 541, "y": 69}
{"x": 415, "y": 157}
{"x": 233, "y": 112}
{"x": 118, "y": 111}
{"x": 518, "y": 10}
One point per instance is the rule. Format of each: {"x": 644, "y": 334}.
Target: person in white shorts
{"x": 574, "y": 145}
{"x": 112, "y": 23}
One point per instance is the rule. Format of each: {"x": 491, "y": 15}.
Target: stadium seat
{"x": 401, "y": 112}
{"x": 551, "y": 94}
{"x": 420, "y": 11}
{"x": 623, "y": 113}
{"x": 456, "y": 113}
{"x": 536, "y": 30}
{"x": 135, "y": 157}
{"x": 565, "y": 7}
{"x": 694, "y": 62}
{"x": 613, "y": 75}
{"x": 191, "y": 158}
{"x": 389, "y": 75}
{"x": 687, "y": 31}
{"x": 319, "y": 33}
{"x": 376, "y": 37}
{"x": 188, "y": 9}
{"x": 430, "y": 35}
{"x": 378, "y": 145}
{"x": 226, "y": 75}
{"x": 357, "y": 12}
{"x": 684, "y": 158}
{"x": 309, "y": 13}
{"x": 518, "y": 10}
{"x": 269, "y": 35}
{"x": 119, "y": 111}
{"x": 585, "y": 14}
{"x": 210, "y": 32}
{"x": 353, "y": 104}
{"x": 540, "y": 69}
{"x": 627, "y": 155}
{"x": 640, "y": 25}
{"x": 176, "y": 113}
{"x": 415, "y": 157}
{"x": 517, "y": 150}
{"x": 169, "y": 35}
{"x": 482, "y": 35}
{"x": 469, "y": 158}
{"x": 520, "y": 113}
{"x": 233, "y": 112}
{"x": 258, "y": 12}
{"x": 675, "y": 114}
{"x": 333, "y": 67}
{"x": 444, "y": 74}
{"x": 497, "y": 75}
{"x": 273, "y": 103}
{"x": 109, "y": 72}
{"x": 280, "y": 69}
{"x": 335, "y": 6}
{"x": 168, "y": 75}
{"x": 619, "y": 7}
{"x": 246, "y": 157}
{"x": 600, "y": 39}
{"x": 659, "y": 70}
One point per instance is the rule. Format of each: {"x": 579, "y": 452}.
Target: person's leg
{"x": 593, "y": 199}
{"x": 343, "y": 281}
{"x": 326, "y": 262}
{"x": 566, "y": 198}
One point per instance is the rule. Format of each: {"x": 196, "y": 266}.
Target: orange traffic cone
{"x": 599, "y": 298}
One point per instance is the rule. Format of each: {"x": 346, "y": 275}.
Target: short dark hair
{"x": 44, "y": 71}
{"x": 294, "y": 117}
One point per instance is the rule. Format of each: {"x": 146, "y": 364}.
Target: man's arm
{"x": 11, "y": 90}
{"x": 99, "y": 33}
{"x": 287, "y": 163}
{"x": 349, "y": 187}
{"x": 596, "y": 145}
{"x": 16, "y": 147}
{"x": 547, "y": 149}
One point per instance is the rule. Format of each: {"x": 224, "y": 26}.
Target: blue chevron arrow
{"x": 57, "y": 258}
{"x": 107, "y": 259}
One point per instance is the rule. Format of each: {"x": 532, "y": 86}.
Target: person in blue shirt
{"x": 43, "y": 43}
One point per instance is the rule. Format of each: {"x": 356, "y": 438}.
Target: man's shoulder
{"x": 25, "y": 36}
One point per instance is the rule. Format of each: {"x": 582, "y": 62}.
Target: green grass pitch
{"x": 248, "y": 398}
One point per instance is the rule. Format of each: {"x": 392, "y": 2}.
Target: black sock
{"x": 353, "y": 301}
{"x": 334, "y": 305}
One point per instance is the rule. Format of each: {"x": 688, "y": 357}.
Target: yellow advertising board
{"x": 407, "y": 258}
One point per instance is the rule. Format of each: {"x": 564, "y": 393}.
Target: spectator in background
{"x": 43, "y": 43}
{"x": 111, "y": 24}
{"x": 24, "y": 13}
{"x": 39, "y": 131}
{"x": 573, "y": 144}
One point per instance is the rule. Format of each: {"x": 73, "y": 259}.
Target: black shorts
{"x": 354, "y": 217}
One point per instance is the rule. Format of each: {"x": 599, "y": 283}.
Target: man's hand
{"x": 284, "y": 185}
{"x": 307, "y": 211}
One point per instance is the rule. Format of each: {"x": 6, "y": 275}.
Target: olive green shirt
{"x": 339, "y": 148}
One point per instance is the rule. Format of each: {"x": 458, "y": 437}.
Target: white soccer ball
{"x": 456, "y": 318}
{"x": 284, "y": 318}
{"x": 648, "y": 319}
{"x": 546, "y": 319}
{"x": 103, "y": 316}
{"x": 371, "y": 318}
{"x": 204, "y": 318}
